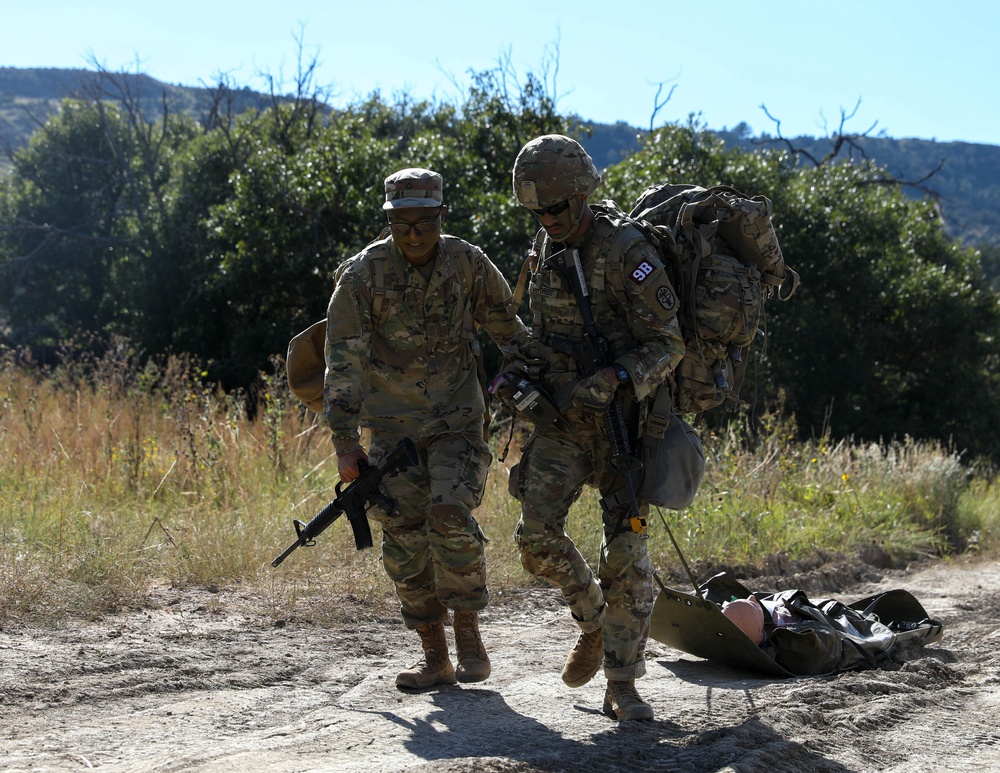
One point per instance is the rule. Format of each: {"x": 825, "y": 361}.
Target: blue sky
{"x": 921, "y": 69}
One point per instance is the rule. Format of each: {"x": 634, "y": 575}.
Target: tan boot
{"x": 435, "y": 666}
{"x": 585, "y": 659}
{"x": 622, "y": 702}
{"x": 473, "y": 662}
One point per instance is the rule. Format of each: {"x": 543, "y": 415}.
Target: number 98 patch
{"x": 642, "y": 272}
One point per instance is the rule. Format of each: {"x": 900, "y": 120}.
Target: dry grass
{"x": 114, "y": 476}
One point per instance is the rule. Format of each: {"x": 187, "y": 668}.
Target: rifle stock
{"x": 354, "y": 501}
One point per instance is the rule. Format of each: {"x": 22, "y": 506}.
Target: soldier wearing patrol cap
{"x": 634, "y": 308}
{"x": 401, "y": 360}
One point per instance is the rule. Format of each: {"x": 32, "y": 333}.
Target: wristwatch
{"x": 620, "y": 373}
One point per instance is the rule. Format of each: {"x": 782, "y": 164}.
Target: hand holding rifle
{"x": 355, "y": 500}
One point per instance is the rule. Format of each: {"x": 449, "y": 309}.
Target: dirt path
{"x": 204, "y": 683}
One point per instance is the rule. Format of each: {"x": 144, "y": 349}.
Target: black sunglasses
{"x": 422, "y": 227}
{"x": 552, "y": 210}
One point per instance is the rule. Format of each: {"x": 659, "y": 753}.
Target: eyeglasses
{"x": 551, "y": 210}
{"x": 422, "y": 227}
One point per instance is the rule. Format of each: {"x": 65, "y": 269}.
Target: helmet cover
{"x": 551, "y": 169}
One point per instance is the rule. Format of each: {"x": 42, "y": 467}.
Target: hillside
{"x": 29, "y": 96}
{"x": 967, "y": 185}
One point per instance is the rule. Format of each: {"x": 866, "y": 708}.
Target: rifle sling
{"x": 576, "y": 280}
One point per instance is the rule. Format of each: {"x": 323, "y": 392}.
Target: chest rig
{"x": 555, "y": 312}
{"x": 459, "y": 285}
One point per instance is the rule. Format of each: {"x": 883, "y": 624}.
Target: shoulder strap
{"x": 615, "y": 241}
{"x": 659, "y": 412}
{"x": 380, "y": 290}
{"x": 464, "y": 255}
{"x": 461, "y": 255}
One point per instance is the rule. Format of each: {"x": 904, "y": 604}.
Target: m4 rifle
{"x": 355, "y": 500}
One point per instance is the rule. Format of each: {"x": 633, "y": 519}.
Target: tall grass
{"x": 116, "y": 475}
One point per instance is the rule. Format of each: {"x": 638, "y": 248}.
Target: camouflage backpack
{"x": 725, "y": 262}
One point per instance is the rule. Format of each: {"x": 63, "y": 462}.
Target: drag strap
{"x": 680, "y": 555}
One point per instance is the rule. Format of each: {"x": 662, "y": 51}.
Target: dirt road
{"x": 206, "y": 682}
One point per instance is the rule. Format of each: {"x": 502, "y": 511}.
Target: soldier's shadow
{"x": 478, "y": 723}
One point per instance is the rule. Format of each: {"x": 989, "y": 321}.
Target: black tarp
{"x": 803, "y": 636}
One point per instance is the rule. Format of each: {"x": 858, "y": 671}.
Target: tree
{"x": 295, "y": 210}
{"x": 221, "y": 239}
{"x": 475, "y": 149}
{"x": 989, "y": 259}
{"x": 302, "y": 205}
{"x": 62, "y": 240}
{"x": 84, "y": 247}
{"x": 894, "y": 330}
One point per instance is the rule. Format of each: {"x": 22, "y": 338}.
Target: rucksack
{"x": 722, "y": 253}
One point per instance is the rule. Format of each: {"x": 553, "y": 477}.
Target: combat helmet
{"x": 551, "y": 169}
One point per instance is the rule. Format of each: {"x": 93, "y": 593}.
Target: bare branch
{"x": 852, "y": 141}
{"x": 550, "y": 68}
{"x": 780, "y": 138}
{"x": 307, "y": 99}
{"x": 452, "y": 79}
{"x": 76, "y": 233}
{"x": 657, "y": 104}
{"x": 506, "y": 71}
{"x": 916, "y": 184}
{"x": 52, "y": 235}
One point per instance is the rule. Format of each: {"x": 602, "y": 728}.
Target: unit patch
{"x": 642, "y": 272}
{"x": 666, "y": 297}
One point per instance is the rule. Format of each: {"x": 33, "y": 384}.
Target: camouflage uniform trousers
{"x": 550, "y": 478}
{"x": 432, "y": 547}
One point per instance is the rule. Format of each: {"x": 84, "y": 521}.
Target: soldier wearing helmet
{"x": 553, "y": 177}
{"x": 634, "y": 308}
{"x": 401, "y": 351}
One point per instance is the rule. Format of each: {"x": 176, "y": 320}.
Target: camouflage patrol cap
{"x": 413, "y": 188}
{"x": 552, "y": 168}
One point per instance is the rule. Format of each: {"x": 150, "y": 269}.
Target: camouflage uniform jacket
{"x": 400, "y": 349}
{"x": 633, "y": 302}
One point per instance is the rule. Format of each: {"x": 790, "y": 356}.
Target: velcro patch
{"x": 528, "y": 194}
{"x": 642, "y": 272}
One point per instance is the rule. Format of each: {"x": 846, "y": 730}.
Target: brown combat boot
{"x": 435, "y": 666}
{"x": 473, "y": 662}
{"x": 622, "y": 702}
{"x": 585, "y": 659}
